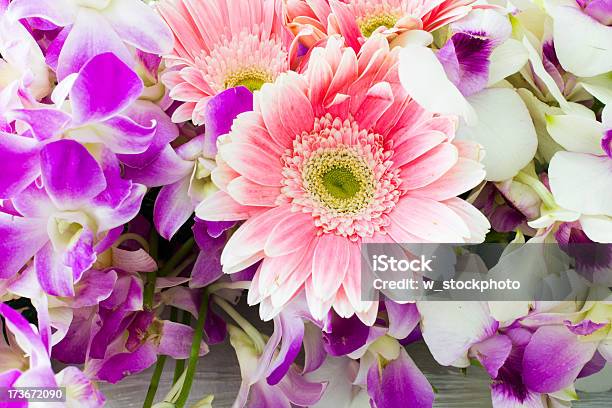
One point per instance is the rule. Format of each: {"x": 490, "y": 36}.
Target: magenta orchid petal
{"x": 167, "y": 168}
{"x": 123, "y": 135}
{"x": 21, "y": 239}
{"x": 220, "y": 112}
{"x": 144, "y": 113}
{"x": 173, "y": 208}
{"x": 109, "y": 217}
{"x": 399, "y": 383}
{"x": 263, "y": 396}
{"x": 207, "y": 267}
{"x": 553, "y": 358}
{"x": 175, "y": 340}
{"x": 55, "y": 277}
{"x": 585, "y": 327}
{"x": 115, "y": 368}
{"x": 300, "y": 391}
{"x": 25, "y": 336}
{"x": 71, "y": 175}
{"x": 345, "y": 336}
{"x": 94, "y": 287}
{"x": 104, "y": 87}
{"x": 19, "y": 163}
{"x": 292, "y": 329}
{"x": 492, "y": 353}
{"x": 45, "y": 123}
{"x": 117, "y": 189}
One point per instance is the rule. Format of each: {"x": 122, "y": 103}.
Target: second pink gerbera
{"x": 331, "y": 158}
{"x": 221, "y": 44}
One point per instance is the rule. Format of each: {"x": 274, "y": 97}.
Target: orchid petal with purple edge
{"x": 21, "y": 239}
{"x": 465, "y": 58}
{"x": 300, "y": 391}
{"x": 167, "y": 168}
{"x": 451, "y": 328}
{"x": 402, "y": 318}
{"x": 399, "y": 383}
{"x": 207, "y": 267}
{"x": 137, "y": 24}
{"x": 173, "y": 207}
{"x": 80, "y": 388}
{"x": 71, "y": 175}
{"x": 120, "y": 134}
{"x": 109, "y": 217}
{"x": 554, "y": 357}
{"x": 176, "y": 340}
{"x": 104, "y": 87}
{"x": 19, "y": 163}
{"x": 492, "y": 353}
{"x": 54, "y": 276}
{"x": 220, "y": 113}
{"x": 292, "y": 328}
{"x": 86, "y": 41}
{"x": 145, "y": 113}
{"x": 45, "y": 123}
{"x": 59, "y": 12}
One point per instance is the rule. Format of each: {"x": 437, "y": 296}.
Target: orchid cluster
{"x": 161, "y": 161}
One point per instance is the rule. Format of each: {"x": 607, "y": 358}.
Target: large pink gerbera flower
{"x": 331, "y": 158}
{"x": 221, "y": 44}
{"x": 356, "y": 20}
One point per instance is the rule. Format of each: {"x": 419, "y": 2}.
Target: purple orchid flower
{"x": 60, "y": 223}
{"x": 186, "y": 173}
{"x": 80, "y": 390}
{"x": 98, "y": 116}
{"x": 529, "y": 360}
{"x": 96, "y": 27}
{"x": 291, "y": 389}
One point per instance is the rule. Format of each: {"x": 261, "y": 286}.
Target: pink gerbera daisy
{"x": 359, "y": 19}
{"x": 221, "y": 44}
{"x": 328, "y": 159}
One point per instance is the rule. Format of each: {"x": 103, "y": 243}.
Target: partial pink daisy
{"x": 330, "y": 158}
{"x": 355, "y": 20}
{"x": 221, "y": 44}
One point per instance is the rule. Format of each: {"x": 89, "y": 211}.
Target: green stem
{"x": 150, "y": 277}
{"x": 248, "y": 328}
{"x": 179, "y": 366}
{"x": 159, "y": 368}
{"x": 177, "y": 257}
{"x": 195, "y": 352}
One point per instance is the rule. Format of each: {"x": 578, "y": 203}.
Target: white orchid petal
{"x": 582, "y": 182}
{"x": 504, "y": 129}
{"x": 423, "y": 76}
{"x": 576, "y": 133}
{"x": 506, "y": 59}
{"x": 597, "y": 228}
{"x": 583, "y": 45}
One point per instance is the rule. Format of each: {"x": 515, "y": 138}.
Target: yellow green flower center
{"x": 251, "y": 78}
{"x": 368, "y": 25}
{"x": 340, "y": 180}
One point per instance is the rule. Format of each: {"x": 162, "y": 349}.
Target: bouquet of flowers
{"x": 162, "y": 161}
